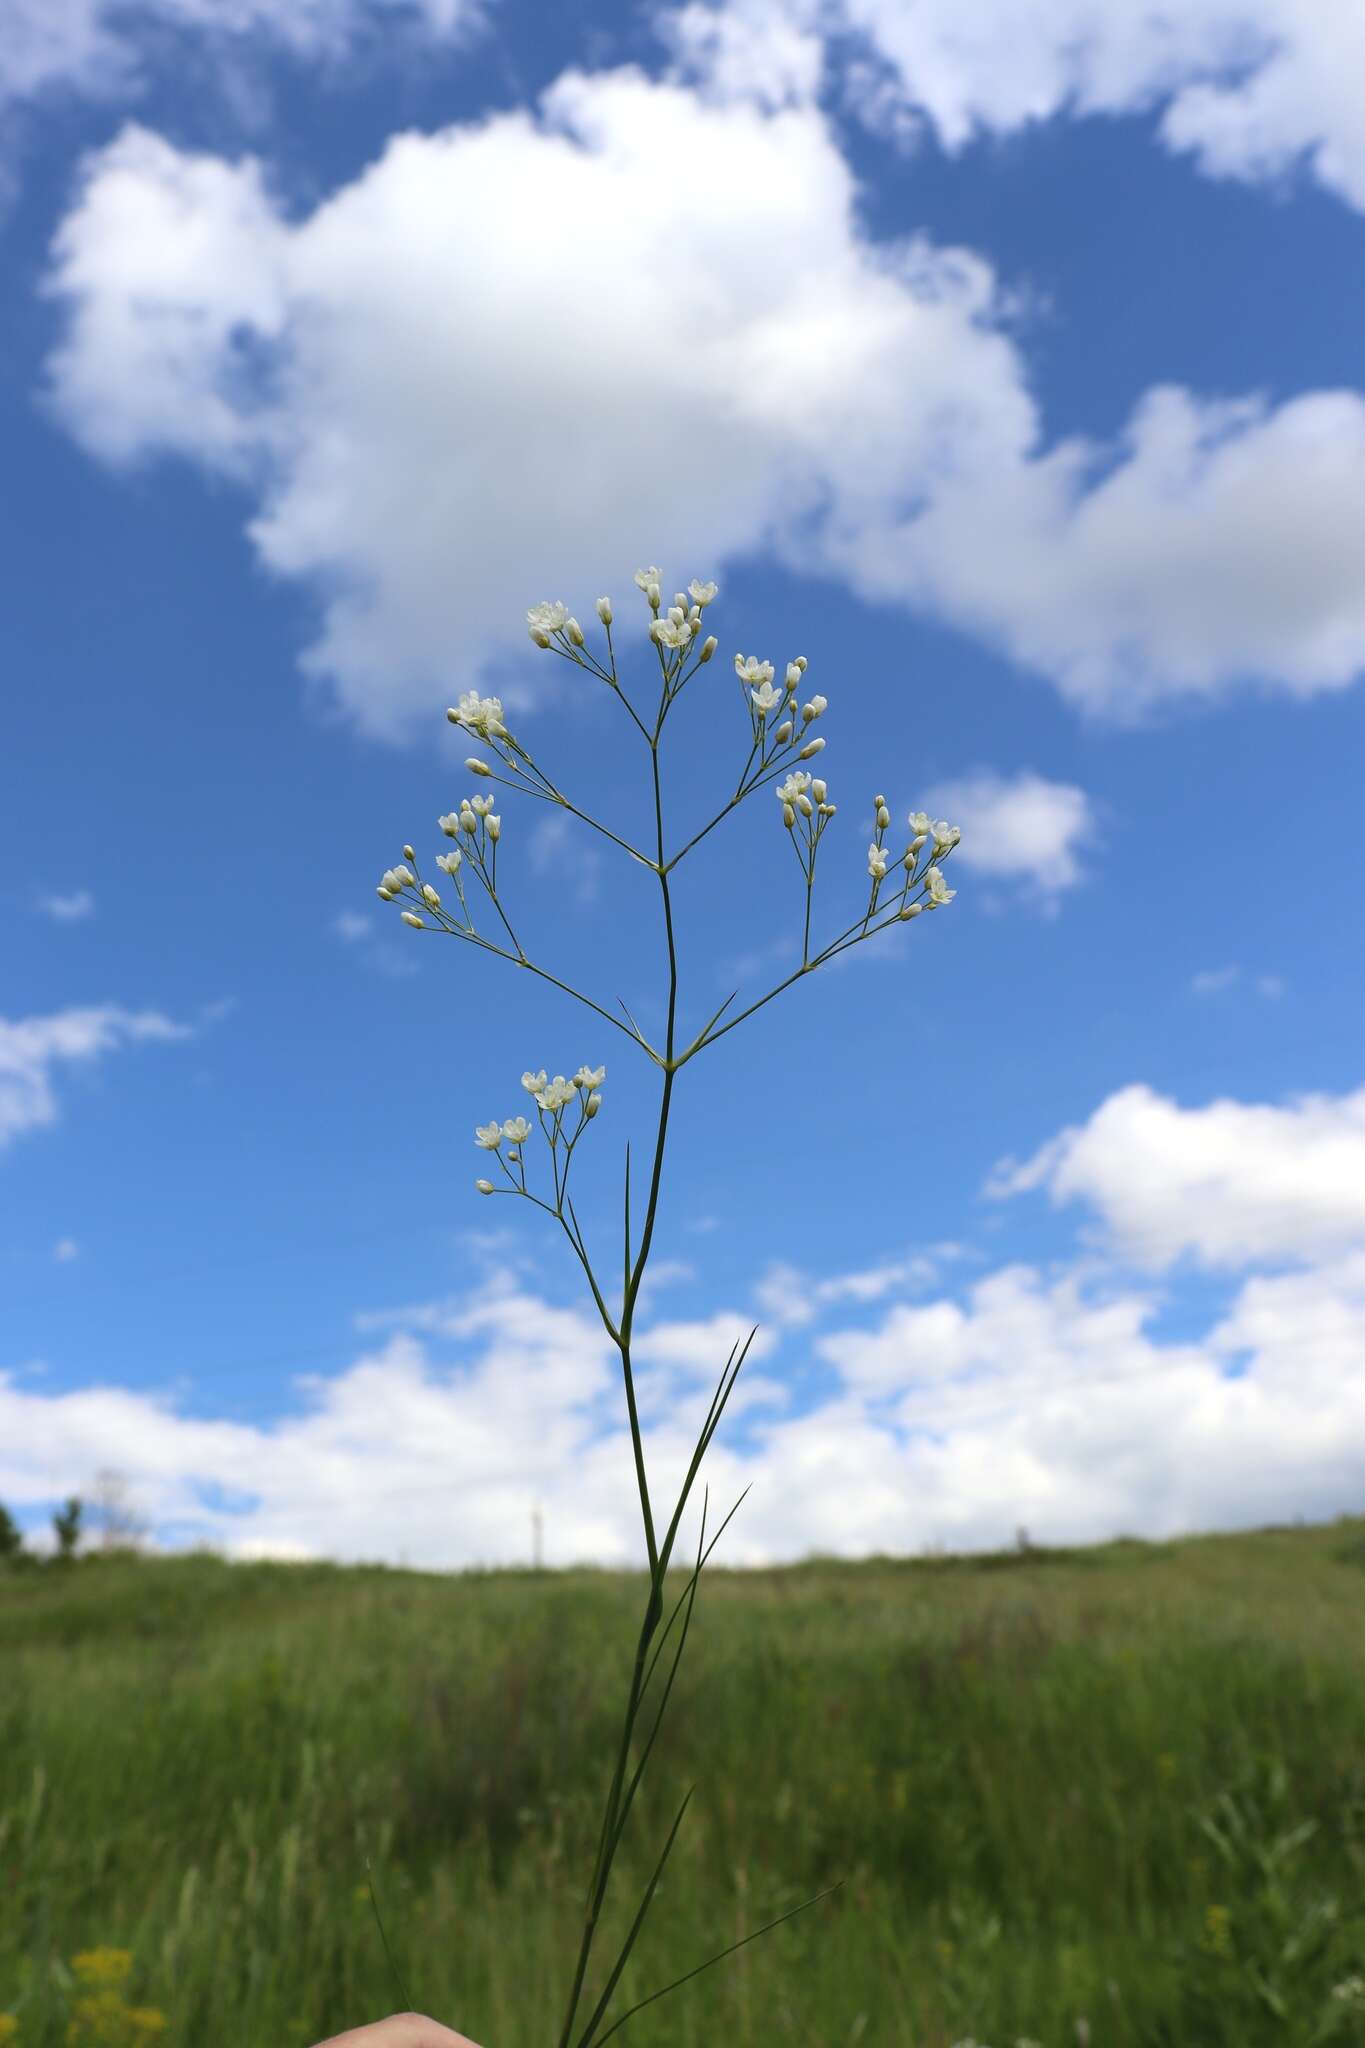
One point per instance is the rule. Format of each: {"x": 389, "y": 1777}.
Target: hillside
{"x": 1114, "y": 1794}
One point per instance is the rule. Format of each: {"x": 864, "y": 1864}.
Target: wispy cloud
{"x": 68, "y": 909}
{"x": 32, "y": 1048}
{"x": 1212, "y": 980}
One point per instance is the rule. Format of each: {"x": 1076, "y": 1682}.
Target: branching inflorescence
{"x": 782, "y": 741}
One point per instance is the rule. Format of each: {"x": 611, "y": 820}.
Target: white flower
{"x": 793, "y": 677}
{"x": 752, "y": 670}
{"x": 533, "y": 1083}
{"x": 494, "y": 827}
{"x": 938, "y": 891}
{"x": 430, "y": 895}
{"x": 479, "y": 805}
{"x": 485, "y": 1187}
{"x": 482, "y": 715}
{"x": 945, "y": 835}
{"x": 516, "y": 1130}
{"x": 402, "y": 878}
{"x": 449, "y": 824}
{"x": 604, "y": 611}
{"x": 411, "y": 917}
{"x": 765, "y": 700}
{"x": 488, "y": 1135}
{"x": 557, "y": 1094}
{"x": 590, "y": 1077}
{"x": 796, "y": 784}
{"x": 920, "y": 821}
{"x": 701, "y": 593}
{"x": 547, "y": 617}
{"x": 669, "y": 634}
{"x": 644, "y": 577}
{"x": 450, "y": 861}
{"x": 391, "y": 881}
{"x": 876, "y": 862}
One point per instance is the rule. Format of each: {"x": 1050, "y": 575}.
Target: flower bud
{"x": 411, "y": 917}
{"x": 828, "y": 810}
{"x": 910, "y": 910}
{"x": 604, "y": 611}
{"x": 708, "y": 647}
{"x": 817, "y": 790}
{"x": 387, "y": 894}
{"x": 477, "y": 767}
{"x": 805, "y": 806}
{"x": 801, "y": 663}
{"x": 449, "y": 824}
{"x": 485, "y": 1187}
{"x": 593, "y": 1104}
{"x": 468, "y": 822}
{"x": 917, "y": 842}
{"x": 539, "y": 635}
{"x": 883, "y": 817}
{"x": 430, "y": 894}
{"x": 808, "y": 753}
{"x": 784, "y": 732}
{"x": 495, "y": 828}
{"x": 453, "y": 715}
{"x": 788, "y": 816}
{"x": 575, "y": 633}
{"x": 408, "y": 853}
{"x": 403, "y": 877}
{"x": 652, "y": 593}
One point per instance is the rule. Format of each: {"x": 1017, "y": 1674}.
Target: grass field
{"x": 1108, "y": 1796}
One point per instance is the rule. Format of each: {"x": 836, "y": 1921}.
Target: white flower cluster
{"x": 482, "y": 715}
{"x": 552, "y": 1098}
{"x": 806, "y": 812}
{"x": 476, "y": 818}
{"x": 763, "y": 700}
{"x": 929, "y": 876}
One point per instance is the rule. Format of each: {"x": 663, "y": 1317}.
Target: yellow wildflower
{"x": 145, "y": 2019}
{"x": 102, "y": 1965}
{"x": 1218, "y": 1931}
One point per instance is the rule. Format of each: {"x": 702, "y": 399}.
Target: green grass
{"x": 1119, "y": 1789}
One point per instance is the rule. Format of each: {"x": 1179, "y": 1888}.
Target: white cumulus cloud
{"x": 1231, "y": 1184}
{"x": 1018, "y": 828}
{"x": 1251, "y": 88}
{"x": 383, "y": 375}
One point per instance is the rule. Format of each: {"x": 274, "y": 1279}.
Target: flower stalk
{"x": 781, "y": 741}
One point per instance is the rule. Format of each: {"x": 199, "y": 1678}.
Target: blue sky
{"x": 1008, "y": 375}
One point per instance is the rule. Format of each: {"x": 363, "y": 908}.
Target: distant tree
{"x": 121, "y": 1527}
{"x": 11, "y": 1535}
{"x": 67, "y": 1524}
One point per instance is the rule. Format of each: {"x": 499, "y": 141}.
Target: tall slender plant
{"x": 782, "y": 741}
